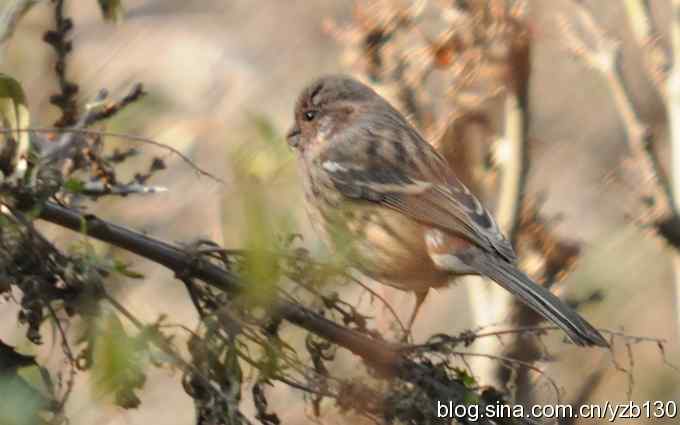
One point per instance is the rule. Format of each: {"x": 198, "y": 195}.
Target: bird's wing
{"x": 411, "y": 178}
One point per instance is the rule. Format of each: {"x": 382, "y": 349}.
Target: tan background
{"x": 210, "y": 65}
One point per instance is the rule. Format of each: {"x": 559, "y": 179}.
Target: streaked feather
{"x": 383, "y": 159}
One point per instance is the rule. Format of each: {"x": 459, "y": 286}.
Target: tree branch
{"x": 386, "y": 359}
{"x": 604, "y": 57}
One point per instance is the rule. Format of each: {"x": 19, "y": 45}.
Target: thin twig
{"x": 604, "y": 58}
{"x": 99, "y": 189}
{"x": 159, "y": 341}
{"x": 379, "y": 354}
{"x": 469, "y": 337}
{"x": 68, "y": 143}
{"x": 136, "y": 93}
{"x": 654, "y": 57}
{"x": 93, "y": 113}
{"x": 512, "y": 361}
{"x": 124, "y": 136}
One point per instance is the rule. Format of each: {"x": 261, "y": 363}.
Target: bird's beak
{"x": 293, "y": 137}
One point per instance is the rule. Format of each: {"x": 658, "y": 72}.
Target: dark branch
{"x": 57, "y": 38}
{"x": 386, "y": 359}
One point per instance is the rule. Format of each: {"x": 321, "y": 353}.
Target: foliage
{"x": 255, "y": 325}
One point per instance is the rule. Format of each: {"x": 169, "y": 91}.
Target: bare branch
{"x": 604, "y": 58}
{"x": 383, "y": 357}
{"x": 98, "y": 189}
{"x": 65, "y": 100}
{"x": 655, "y": 59}
{"x": 130, "y": 137}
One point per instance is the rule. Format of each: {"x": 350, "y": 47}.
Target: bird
{"x": 375, "y": 189}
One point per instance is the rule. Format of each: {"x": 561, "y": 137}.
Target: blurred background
{"x": 222, "y": 79}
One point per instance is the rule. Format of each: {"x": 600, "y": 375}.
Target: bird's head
{"x": 326, "y": 107}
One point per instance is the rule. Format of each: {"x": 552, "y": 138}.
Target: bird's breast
{"x": 382, "y": 243}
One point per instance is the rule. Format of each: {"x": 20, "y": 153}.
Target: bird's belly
{"x": 385, "y": 245}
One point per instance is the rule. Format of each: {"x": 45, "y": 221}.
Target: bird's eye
{"x": 310, "y": 115}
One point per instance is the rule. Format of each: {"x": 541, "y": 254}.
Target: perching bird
{"x": 376, "y": 188}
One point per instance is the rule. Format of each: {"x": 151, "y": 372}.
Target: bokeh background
{"x": 222, "y": 79}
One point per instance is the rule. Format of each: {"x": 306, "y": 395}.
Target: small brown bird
{"x": 376, "y": 189}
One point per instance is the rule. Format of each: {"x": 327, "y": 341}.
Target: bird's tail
{"x": 538, "y": 298}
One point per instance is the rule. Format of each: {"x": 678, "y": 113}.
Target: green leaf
{"x": 118, "y": 362}
{"x": 269, "y": 364}
{"x": 20, "y": 403}
{"x": 20, "y": 385}
{"x": 266, "y": 130}
{"x": 123, "y": 269}
{"x": 268, "y": 156}
{"x": 265, "y": 218}
{"x": 14, "y": 113}
{"x": 261, "y": 268}
{"x": 74, "y": 185}
{"x": 112, "y": 10}
{"x": 464, "y": 377}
